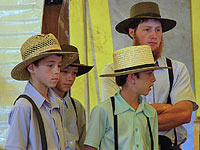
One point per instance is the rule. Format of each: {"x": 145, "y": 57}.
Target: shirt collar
{"x": 38, "y": 98}
{"x": 122, "y": 106}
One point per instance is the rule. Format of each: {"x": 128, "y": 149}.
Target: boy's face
{"x": 66, "y": 80}
{"x": 145, "y": 81}
{"x": 46, "y": 74}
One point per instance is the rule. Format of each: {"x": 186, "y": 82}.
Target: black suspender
{"x": 151, "y": 136}
{"x": 74, "y": 105}
{"x": 116, "y": 127}
{"x": 39, "y": 119}
{"x": 171, "y": 79}
{"x": 115, "y": 124}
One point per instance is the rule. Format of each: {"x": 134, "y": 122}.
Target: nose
{"x": 56, "y": 69}
{"x": 153, "y": 78}
{"x": 153, "y": 35}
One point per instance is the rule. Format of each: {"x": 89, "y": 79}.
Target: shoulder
{"x": 175, "y": 63}
{"x": 104, "y": 107}
{"x": 109, "y": 68}
{"x": 149, "y": 109}
{"x": 78, "y": 103}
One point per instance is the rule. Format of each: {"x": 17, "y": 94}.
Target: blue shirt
{"x": 24, "y": 130}
{"x": 133, "y": 130}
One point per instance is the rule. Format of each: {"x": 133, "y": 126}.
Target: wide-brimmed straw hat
{"x": 133, "y": 59}
{"x": 144, "y": 10}
{"x": 82, "y": 69}
{"x": 37, "y": 47}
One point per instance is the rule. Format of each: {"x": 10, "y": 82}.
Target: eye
{"x": 147, "y": 29}
{"x": 158, "y": 29}
{"x": 49, "y": 65}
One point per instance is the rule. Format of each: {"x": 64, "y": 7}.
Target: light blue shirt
{"x": 133, "y": 130}
{"x": 24, "y": 131}
{"x": 181, "y": 90}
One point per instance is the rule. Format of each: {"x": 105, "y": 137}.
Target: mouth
{"x": 54, "y": 79}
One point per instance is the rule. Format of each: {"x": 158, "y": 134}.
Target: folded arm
{"x": 171, "y": 116}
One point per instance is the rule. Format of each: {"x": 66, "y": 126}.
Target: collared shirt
{"x": 74, "y": 126}
{"x": 181, "y": 90}
{"x": 133, "y": 130}
{"x": 24, "y": 131}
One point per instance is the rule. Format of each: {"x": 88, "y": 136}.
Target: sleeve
{"x": 108, "y": 84}
{"x": 19, "y": 121}
{"x": 182, "y": 89}
{"x": 96, "y": 127}
{"x": 81, "y": 125}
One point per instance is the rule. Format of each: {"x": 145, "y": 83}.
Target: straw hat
{"x": 144, "y": 10}
{"x": 133, "y": 59}
{"x": 82, "y": 69}
{"x": 35, "y": 48}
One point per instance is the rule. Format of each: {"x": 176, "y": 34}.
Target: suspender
{"x": 171, "y": 79}
{"x": 115, "y": 124}
{"x": 116, "y": 127}
{"x": 39, "y": 119}
{"x": 73, "y": 103}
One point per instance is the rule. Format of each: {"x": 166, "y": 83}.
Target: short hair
{"x": 121, "y": 80}
{"x": 36, "y": 63}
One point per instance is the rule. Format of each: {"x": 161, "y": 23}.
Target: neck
{"x": 61, "y": 94}
{"x": 43, "y": 90}
{"x": 130, "y": 97}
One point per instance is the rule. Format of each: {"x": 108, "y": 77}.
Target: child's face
{"x": 46, "y": 74}
{"x": 67, "y": 78}
{"x": 145, "y": 82}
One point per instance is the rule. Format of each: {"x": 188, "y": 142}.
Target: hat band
{"x": 136, "y": 67}
{"x": 147, "y": 14}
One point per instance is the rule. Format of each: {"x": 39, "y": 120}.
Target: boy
{"x": 42, "y": 58}
{"x": 73, "y": 111}
{"x": 135, "y": 124}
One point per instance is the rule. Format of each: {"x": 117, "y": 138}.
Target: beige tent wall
{"x": 19, "y": 19}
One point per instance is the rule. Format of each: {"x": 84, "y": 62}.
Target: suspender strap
{"x": 74, "y": 105}
{"x": 115, "y": 124}
{"x": 171, "y": 80}
{"x": 39, "y": 119}
{"x": 151, "y": 136}
{"x": 116, "y": 127}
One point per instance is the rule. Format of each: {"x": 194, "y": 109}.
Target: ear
{"x": 131, "y": 78}
{"x": 131, "y": 32}
{"x": 30, "y": 68}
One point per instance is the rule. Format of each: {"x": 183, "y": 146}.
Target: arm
{"x": 86, "y": 147}
{"x": 174, "y": 115}
{"x": 81, "y": 126}
{"x": 19, "y": 122}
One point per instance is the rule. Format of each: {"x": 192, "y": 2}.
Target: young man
{"x": 72, "y": 110}
{"x": 42, "y": 58}
{"x": 136, "y": 122}
{"x": 145, "y": 26}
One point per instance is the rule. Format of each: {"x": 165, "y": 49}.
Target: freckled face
{"x": 67, "y": 78}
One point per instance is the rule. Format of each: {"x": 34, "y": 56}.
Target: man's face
{"x": 149, "y": 32}
{"x": 66, "y": 80}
